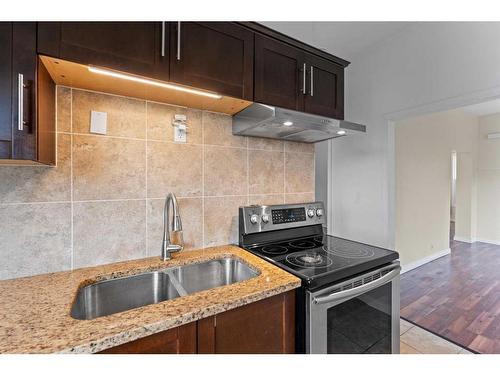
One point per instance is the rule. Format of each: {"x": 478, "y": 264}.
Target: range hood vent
{"x": 260, "y": 120}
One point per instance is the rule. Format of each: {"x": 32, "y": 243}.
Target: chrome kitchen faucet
{"x": 172, "y": 237}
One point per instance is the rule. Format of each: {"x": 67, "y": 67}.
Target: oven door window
{"x": 361, "y": 324}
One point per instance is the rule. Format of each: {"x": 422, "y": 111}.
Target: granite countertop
{"x": 34, "y": 311}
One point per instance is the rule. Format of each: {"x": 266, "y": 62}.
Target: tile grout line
{"x": 202, "y": 179}
{"x": 71, "y": 182}
{"x": 146, "y": 183}
{"x": 142, "y": 199}
{"x": 284, "y": 173}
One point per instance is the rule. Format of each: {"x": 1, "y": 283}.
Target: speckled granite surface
{"x": 34, "y": 311}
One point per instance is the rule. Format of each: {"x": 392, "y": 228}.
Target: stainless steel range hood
{"x": 260, "y": 120}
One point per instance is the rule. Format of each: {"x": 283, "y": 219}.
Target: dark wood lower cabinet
{"x": 179, "y": 340}
{"x": 263, "y": 327}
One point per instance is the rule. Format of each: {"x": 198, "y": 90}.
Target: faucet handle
{"x": 176, "y": 238}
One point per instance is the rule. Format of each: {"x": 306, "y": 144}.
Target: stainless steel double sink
{"x": 125, "y": 293}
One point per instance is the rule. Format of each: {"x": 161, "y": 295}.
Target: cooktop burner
{"x": 349, "y": 252}
{"x": 305, "y": 243}
{"x": 274, "y": 249}
{"x": 309, "y": 259}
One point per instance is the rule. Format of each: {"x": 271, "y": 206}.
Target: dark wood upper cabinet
{"x": 215, "y": 56}
{"x": 23, "y": 85}
{"x": 325, "y": 91}
{"x": 135, "y": 47}
{"x": 289, "y": 77}
{"x": 278, "y": 73}
{"x": 5, "y": 90}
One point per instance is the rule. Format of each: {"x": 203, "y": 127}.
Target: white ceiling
{"x": 483, "y": 109}
{"x": 342, "y": 39}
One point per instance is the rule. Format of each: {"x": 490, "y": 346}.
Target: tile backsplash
{"x": 103, "y": 202}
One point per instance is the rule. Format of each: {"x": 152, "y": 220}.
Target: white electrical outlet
{"x": 180, "y": 128}
{"x": 180, "y": 133}
{"x": 98, "y": 122}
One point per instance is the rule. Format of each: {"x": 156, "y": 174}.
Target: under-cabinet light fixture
{"x": 341, "y": 132}
{"x": 152, "y": 82}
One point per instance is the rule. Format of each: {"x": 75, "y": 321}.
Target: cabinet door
{"x": 266, "y": 326}
{"x": 5, "y": 90}
{"x": 136, "y": 47}
{"x": 325, "y": 91}
{"x": 279, "y": 74}
{"x": 24, "y": 61}
{"x": 180, "y": 340}
{"x": 216, "y": 56}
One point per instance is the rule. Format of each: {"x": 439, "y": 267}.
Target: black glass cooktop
{"x": 319, "y": 260}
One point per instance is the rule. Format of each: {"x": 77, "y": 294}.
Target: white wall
{"x": 427, "y": 67}
{"x": 488, "y": 175}
{"x": 423, "y": 147}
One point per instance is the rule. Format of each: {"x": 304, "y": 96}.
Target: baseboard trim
{"x": 427, "y": 259}
{"x": 493, "y": 242}
{"x": 464, "y": 239}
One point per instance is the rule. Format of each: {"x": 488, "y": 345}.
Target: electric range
{"x": 347, "y": 286}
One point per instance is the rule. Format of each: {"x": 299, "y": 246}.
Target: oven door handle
{"x": 358, "y": 290}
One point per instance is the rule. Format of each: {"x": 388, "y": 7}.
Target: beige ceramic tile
{"x": 126, "y": 117}
{"x": 63, "y": 109}
{"x": 217, "y": 231}
{"x": 191, "y": 210}
{"x": 299, "y": 172}
{"x": 175, "y": 168}
{"x": 299, "y": 147}
{"x": 225, "y": 171}
{"x": 407, "y": 349}
{"x": 299, "y": 198}
{"x": 35, "y": 238}
{"x": 404, "y": 326}
{"x": 108, "y": 168}
{"x": 21, "y": 184}
{"x": 106, "y": 232}
{"x": 266, "y": 172}
{"x": 265, "y": 144}
{"x": 266, "y": 199}
{"x": 217, "y": 130}
{"x": 160, "y": 117}
{"x": 427, "y": 343}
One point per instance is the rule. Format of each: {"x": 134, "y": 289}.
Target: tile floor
{"x": 415, "y": 340}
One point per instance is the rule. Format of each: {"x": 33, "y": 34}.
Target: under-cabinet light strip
{"x": 146, "y": 81}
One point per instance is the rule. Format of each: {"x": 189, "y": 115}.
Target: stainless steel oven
{"x": 359, "y": 315}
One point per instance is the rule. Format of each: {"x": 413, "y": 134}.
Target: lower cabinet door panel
{"x": 180, "y": 340}
{"x": 263, "y": 327}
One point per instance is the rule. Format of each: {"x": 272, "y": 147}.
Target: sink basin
{"x": 212, "y": 274}
{"x": 125, "y": 293}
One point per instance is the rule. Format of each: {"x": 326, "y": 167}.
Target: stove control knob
{"x": 319, "y": 212}
{"x": 265, "y": 218}
{"x": 310, "y": 212}
{"x": 254, "y": 219}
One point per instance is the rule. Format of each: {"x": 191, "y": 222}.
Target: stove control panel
{"x": 254, "y": 219}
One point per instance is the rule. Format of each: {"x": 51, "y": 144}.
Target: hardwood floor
{"x": 457, "y": 296}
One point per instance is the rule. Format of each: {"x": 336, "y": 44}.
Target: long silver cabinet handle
{"x": 304, "y": 79}
{"x": 163, "y": 25}
{"x": 178, "y": 40}
{"x": 20, "y": 102}
{"x": 312, "y": 80}
{"x": 358, "y": 290}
